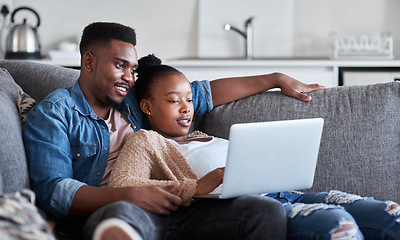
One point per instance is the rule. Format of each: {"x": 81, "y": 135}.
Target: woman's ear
{"x": 87, "y": 61}
{"x": 145, "y": 106}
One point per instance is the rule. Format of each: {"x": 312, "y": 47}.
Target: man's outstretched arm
{"x": 230, "y": 89}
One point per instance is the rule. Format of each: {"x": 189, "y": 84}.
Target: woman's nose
{"x": 185, "y": 108}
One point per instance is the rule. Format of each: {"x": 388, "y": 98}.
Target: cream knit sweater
{"x": 149, "y": 159}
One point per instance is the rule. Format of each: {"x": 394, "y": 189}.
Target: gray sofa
{"x": 360, "y": 148}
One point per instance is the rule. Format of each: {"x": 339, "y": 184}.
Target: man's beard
{"x": 111, "y": 102}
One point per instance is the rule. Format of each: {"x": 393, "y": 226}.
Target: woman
{"x": 168, "y": 155}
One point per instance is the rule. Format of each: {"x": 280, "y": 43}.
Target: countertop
{"x": 293, "y": 62}
{"x": 262, "y": 62}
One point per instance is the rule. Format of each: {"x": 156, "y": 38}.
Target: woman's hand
{"x": 210, "y": 181}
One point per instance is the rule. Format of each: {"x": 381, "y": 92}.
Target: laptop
{"x": 268, "y": 157}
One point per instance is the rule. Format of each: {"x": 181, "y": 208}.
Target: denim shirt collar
{"x": 84, "y": 108}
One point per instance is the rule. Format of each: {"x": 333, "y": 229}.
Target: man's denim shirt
{"x": 67, "y": 144}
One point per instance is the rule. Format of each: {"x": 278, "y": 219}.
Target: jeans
{"x": 250, "y": 217}
{"x": 318, "y": 215}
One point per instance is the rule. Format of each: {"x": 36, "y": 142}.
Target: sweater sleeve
{"x": 147, "y": 159}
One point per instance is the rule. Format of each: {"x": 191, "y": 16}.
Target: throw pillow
{"x": 25, "y": 104}
{"x": 20, "y": 218}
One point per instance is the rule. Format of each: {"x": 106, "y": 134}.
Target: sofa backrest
{"x": 37, "y": 80}
{"x": 360, "y": 146}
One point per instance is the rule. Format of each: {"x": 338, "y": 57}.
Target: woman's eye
{"x": 190, "y": 100}
{"x": 173, "y": 101}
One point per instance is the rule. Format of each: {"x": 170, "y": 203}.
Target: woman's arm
{"x": 145, "y": 160}
{"x": 230, "y": 89}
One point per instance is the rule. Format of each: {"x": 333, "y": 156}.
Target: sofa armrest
{"x": 359, "y": 150}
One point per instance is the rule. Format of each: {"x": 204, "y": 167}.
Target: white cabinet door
{"x": 321, "y": 75}
{"x": 368, "y": 77}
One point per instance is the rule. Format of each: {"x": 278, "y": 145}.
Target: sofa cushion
{"x": 359, "y": 150}
{"x": 25, "y": 104}
{"x": 14, "y": 170}
{"x": 37, "y": 80}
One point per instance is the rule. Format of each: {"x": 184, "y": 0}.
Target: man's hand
{"x": 230, "y": 89}
{"x": 157, "y": 200}
{"x": 293, "y": 88}
{"x": 210, "y": 181}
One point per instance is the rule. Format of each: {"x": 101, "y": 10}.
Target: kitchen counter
{"x": 284, "y": 62}
{"x": 262, "y": 62}
{"x": 325, "y": 71}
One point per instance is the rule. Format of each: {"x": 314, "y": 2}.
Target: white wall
{"x": 268, "y": 40}
{"x": 169, "y": 28}
{"x": 314, "y": 19}
{"x": 166, "y": 28}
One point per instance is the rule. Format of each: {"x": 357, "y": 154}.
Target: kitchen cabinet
{"x": 326, "y": 72}
{"x": 363, "y": 76}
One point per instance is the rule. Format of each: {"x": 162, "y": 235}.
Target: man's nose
{"x": 129, "y": 76}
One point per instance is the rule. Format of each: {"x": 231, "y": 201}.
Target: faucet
{"x": 247, "y": 34}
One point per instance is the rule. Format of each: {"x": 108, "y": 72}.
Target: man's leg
{"x": 139, "y": 219}
{"x": 251, "y": 217}
{"x": 115, "y": 229}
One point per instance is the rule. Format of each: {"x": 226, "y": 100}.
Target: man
{"x": 73, "y": 136}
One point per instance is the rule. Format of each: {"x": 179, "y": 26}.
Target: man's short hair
{"x": 104, "y": 33}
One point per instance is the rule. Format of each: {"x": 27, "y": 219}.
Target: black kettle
{"x": 23, "y": 40}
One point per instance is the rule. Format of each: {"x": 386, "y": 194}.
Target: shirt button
{"x": 105, "y": 149}
{"x": 134, "y": 127}
{"x": 78, "y": 155}
{"x": 98, "y": 173}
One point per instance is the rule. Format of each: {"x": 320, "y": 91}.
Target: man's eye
{"x": 190, "y": 100}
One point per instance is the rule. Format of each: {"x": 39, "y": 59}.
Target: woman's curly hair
{"x": 150, "y": 68}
